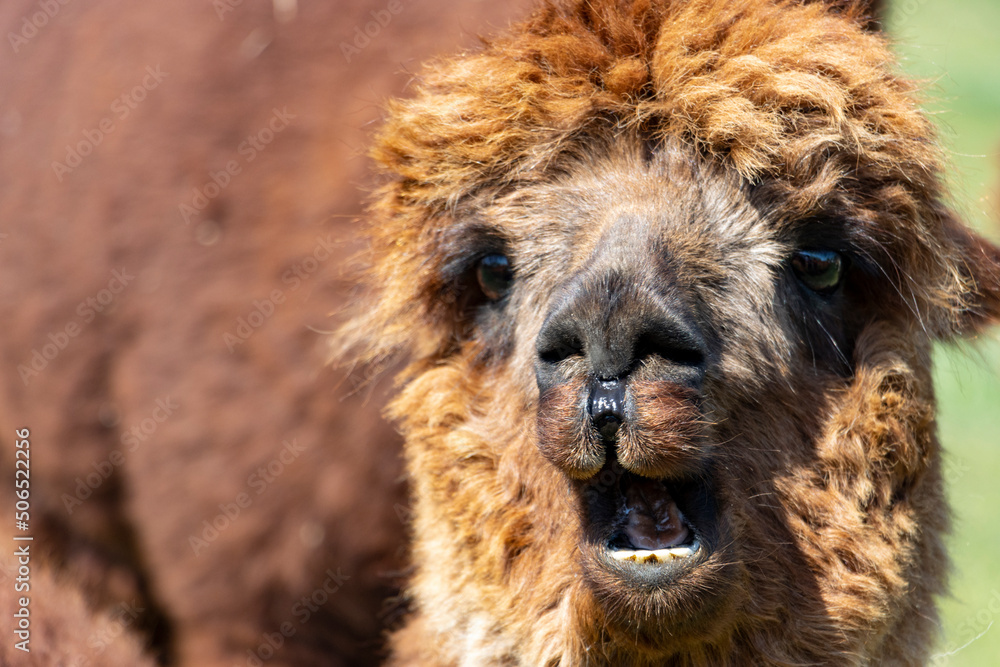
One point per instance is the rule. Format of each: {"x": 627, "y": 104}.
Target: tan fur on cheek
{"x": 869, "y": 511}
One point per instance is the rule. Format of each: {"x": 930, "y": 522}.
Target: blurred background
{"x": 180, "y": 183}
{"x": 953, "y": 46}
{"x": 180, "y": 188}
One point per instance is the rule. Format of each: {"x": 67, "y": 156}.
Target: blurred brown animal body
{"x": 214, "y": 153}
{"x": 667, "y": 275}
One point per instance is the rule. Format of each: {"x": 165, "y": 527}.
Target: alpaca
{"x": 664, "y": 276}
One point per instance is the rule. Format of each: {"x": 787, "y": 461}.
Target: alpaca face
{"x": 682, "y": 345}
{"x": 676, "y": 290}
{"x": 668, "y": 275}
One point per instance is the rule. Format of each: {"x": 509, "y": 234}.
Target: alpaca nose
{"x": 612, "y": 326}
{"x": 606, "y": 407}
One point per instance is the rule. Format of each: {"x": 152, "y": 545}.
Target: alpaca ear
{"x": 875, "y": 11}
{"x": 979, "y": 264}
{"x": 872, "y": 11}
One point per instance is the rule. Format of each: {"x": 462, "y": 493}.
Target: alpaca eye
{"x": 819, "y": 270}
{"x": 495, "y": 276}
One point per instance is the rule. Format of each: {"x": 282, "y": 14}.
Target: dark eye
{"x": 819, "y": 270}
{"x": 495, "y": 276}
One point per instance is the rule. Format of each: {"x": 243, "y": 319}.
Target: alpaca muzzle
{"x": 620, "y": 366}
{"x": 620, "y": 369}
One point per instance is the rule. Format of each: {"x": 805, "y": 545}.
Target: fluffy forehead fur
{"x": 672, "y": 152}
{"x": 794, "y": 97}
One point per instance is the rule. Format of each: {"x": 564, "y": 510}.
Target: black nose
{"x": 611, "y": 325}
{"x": 606, "y": 407}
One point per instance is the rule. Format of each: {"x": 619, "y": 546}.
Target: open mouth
{"x": 659, "y": 525}
{"x": 657, "y": 553}
{"x": 650, "y": 526}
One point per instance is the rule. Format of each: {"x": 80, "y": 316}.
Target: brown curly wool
{"x": 670, "y": 182}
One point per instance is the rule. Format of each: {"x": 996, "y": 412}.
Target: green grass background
{"x": 954, "y": 45}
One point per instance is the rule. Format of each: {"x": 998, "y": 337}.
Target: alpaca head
{"x": 667, "y": 276}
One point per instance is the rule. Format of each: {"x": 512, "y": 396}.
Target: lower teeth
{"x": 657, "y": 556}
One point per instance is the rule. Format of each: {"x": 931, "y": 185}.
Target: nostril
{"x": 673, "y": 346}
{"x": 560, "y": 350}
